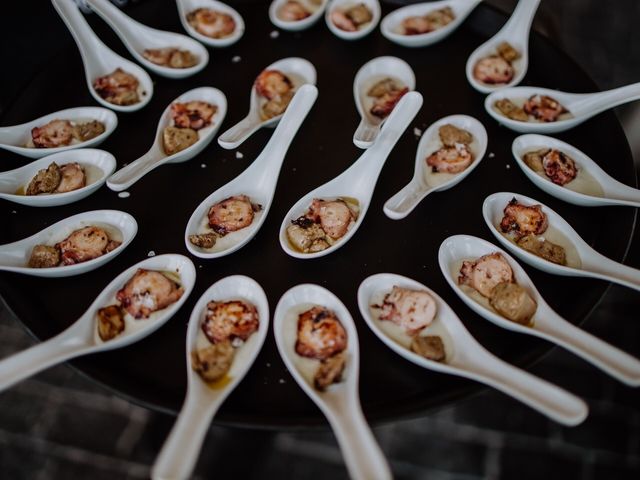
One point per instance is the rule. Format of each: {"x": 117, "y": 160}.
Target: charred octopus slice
{"x": 334, "y": 216}
{"x": 523, "y": 219}
{"x": 413, "y": 310}
{"x": 85, "y": 244}
{"x": 72, "y": 178}
{"x": 493, "y": 70}
{"x": 387, "y": 94}
{"x": 485, "y": 273}
{"x": 544, "y": 108}
{"x": 194, "y": 114}
{"x": 320, "y": 334}
{"x": 232, "y": 214}
{"x": 228, "y": 321}
{"x": 56, "y": 133}
{"x": 560, "y": 168}
{"x": 293, "y": 11}
{"x": 148, "y": 291}
{"x": 211, "y": 23}
{"x": 119, "y": 87}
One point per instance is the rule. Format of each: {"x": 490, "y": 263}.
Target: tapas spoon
{"x": 465, "y": 357}
{"x": 156, "y": 156}
{"x": 187, "y": 6}
{"x": 368, "y": 75}
{"x": 425, "y": 181}
{"x": 545, "y": 323}
{"x": 120, "y": 226}
{"x": 299, "y": 71}
{"x": 358, "y": 181}
{"x": 391, "y": 26}
{"x": 17, "y": 137}
{"x": 100, "y": 60}
{"x": 516, "y": 33}
{"x": 97, "y": 164}
{"x": 258, "y": 181}
{"x": 138, "y": 38}
{"x": 366, "y": 29}
{"x": 583, "y": 261}
{"x": 581, "y": 106}
{"x": 181, "y": 449}
{"x": 340, "y": 402}
{"x": 592, "y": 187}
{"x": 297, "y": 25}
{"x": 82, "y": 338}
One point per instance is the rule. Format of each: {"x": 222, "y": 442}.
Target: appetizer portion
{"x": 118, "y": 87}
{"x": 187, "y": 119}
{"x": 498, "y": 68}
{"x": 293, "y": 11}
{"x": 321, "y": 336}
{"x": 492, "y": 277}
{"x": 57, "y": 179}
{"x": 455, "y": 154}
{"x": 148, "y": 291}
{"x": 324, "y": 223}
{"x": 434, "y": 20}
{"x": 227, "y": 325}
{"x": 353, "y": 18}
{"x": 275, "y": 90}
{"x": 559, "y": 167}
{"x": 538, "y": 108}
{"x": 229, "y": 215}
{"x": 61, "y": 133}
{"x": 385, "y": 94}
{"x": 171, "y": 57}
{"x": 211, "y": 23}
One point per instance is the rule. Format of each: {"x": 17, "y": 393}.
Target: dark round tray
{"x": 152, "y": 372}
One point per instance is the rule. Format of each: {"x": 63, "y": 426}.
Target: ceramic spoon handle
{"x": 127, "y": 176}
{"x": 548, "y": 399}
{"x": 237, "y": 134}
{"x": 607, "y": 269}
{"x": 117, "y": 20}
{"x": 182, "y": 448}
{"x": 520, "y": 22}
{"x": 403, "y": 202}
{"x": 78, "y": 26}
{"x": 596, "y": 103}
{"x": 362, "y": 454}
{"x": 365, "y": 134}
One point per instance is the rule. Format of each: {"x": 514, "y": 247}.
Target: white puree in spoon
{"x": 435, "y": 179}
{"x": 398, "y": 334}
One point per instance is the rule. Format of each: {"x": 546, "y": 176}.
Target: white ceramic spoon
{"x": 545, "y": 323}
{"x": 466, "y": 357}
{"x": 182, "y": 448}
{"x": 120, "y": 226}
{"x": 297, "y": 25}
{"x": 364, "y": 30}
{"x": 258, "y": 181}
{"x": 359, "y": 180}
{"x": 579, "y": 190}
{"x": 368, "y": 75}
{"x": 82, "y": 338}
{"x": 187, "y": 6}
{"x": 97, "y": 165}
{"x": 100, "y": 60}
{"x": 581, "y": 106}
{"x": 156, "y": 156}
{"x": 391, "y": 25}
{"x": 16, "y": 137}
{"x": 138, "y": 38}
{"x": 516, "y": 33}
{"x": 424, "y": 181}
{"x": 299, "y": 71}
{"x": 589, "y": 262}
{"x": 340, "y": 402}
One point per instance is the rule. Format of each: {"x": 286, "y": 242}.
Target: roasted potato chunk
{"x": 175, "y": 140}
{"x": 213, "y": 362}
{"x": 513, "y": 302}
{"x": 110, "y": 322}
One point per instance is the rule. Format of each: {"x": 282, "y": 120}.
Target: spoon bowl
{"x": 391, "y": 25}
{"x": 366, "y": 29}
{"x": 371, "y": 72}
{"x": 465, "y": 356}
{"x": 340, "y": 402}
{"x": 182, "y": 448}
{"x": 297, "y": 25}
{"x": 14, "y": 257}
{"x": 100, "y": 60}
{"x": 358, "y": 181}
{"x": 187, "y": 6}
{"x": 582, "y": 259}
{"x": 258, "y": 181}
{"x": 581, "y": 106}
{"x": 16, "y": 138}
{"x": 156, "y": 156}
{"x": 596, "y": 188}
{"x": 138, "y": 37}
{"x": 516, "y": 33}
{"x": 97, "y": 164}
{"x": 424, "y": 181}
{"x": 299, "y": 71}
{"x": 545, "y": 323}
{"x": 82, "y": 337}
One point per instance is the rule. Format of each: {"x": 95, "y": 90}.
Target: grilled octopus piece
{"x": 453, "y": 159}
{"x": 211, "y": 23}
{"x": 148, "y": 291}
{"x": 341, "y": 20}
{"x": 330, "y": 371}
{"x": 227, "y": 321}
{"x": 72, "y": 178}
{"x": 320, "y": 334}
{"x": 560, "y": 168}
{"x": 119, "y": 87}
{"x": 170, "y": 57}
{"x": 387, "y": 94}
{"x": 85, "y": 244}
{"x": 493, "y": 69}
{"x": 544, "y": 108}
{"x": 523, "y": 219}
{"x": 293, "y": 11}
{"x": 272, "y": 84}
{"x": 232, "y": 214}
{"x": 56, "y": 133}
{"x": 485, "y": 273}
{"x": 413, "y": 310}
{"x": 334, "y": 216}
{"x": 194, "y": 114}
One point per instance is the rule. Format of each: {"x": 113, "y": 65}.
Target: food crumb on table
{"x": 239, "y": 155}
{"x": 124, "y": 195}
{"x": 13, "y": 211}
{"x": 491, "y": 154}
{"x": 236, "y": 59}
{"x": 202, "y": 165}
{"x": 274, "y": 34}
{"x": 151, "y": 253}
{"x": 417, "y": 132}
{"x": 281, "y": 381}
{"x": 508, "y": 166}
